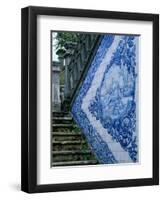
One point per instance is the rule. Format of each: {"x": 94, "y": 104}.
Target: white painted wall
{"x": 10, "y": 79}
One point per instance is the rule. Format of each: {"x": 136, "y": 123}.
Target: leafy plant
{"x": 63, "y": 37}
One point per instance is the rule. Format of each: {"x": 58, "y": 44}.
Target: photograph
{"x": 90, "y": 99}
{"x": 94, "y": 98}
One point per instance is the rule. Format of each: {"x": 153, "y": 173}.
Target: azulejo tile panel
{"x": 106, "y": 107}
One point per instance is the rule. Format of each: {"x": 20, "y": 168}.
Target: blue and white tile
{"x": 111, "y": 82}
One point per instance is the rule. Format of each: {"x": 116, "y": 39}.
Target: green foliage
{"x": 63, "y": 37}
{"x": 76, "y": 129}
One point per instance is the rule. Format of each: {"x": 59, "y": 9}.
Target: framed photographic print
{"x": 90, "y": 99}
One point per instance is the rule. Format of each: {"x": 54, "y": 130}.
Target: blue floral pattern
{"x": 115, "y": 101}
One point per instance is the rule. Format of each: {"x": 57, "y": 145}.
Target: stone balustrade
{"x": 56, "y": 100}
{"x": 74, "y": 61}
{"x": 77, "y": 61}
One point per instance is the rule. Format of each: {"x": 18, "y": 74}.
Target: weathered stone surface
{"x": 69, "y": 146}
{"x": 56, "y": 101}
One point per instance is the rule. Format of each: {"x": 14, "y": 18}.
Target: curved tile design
{"x": 107, "y": 103}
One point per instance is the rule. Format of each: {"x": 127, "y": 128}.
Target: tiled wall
{"x": 106, "y": 107}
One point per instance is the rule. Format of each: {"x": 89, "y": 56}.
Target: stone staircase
{"x": 69, "y": 147}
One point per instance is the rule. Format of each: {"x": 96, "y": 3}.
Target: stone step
{"x": 62, "y": 129}
{"x": 71, "y": 163}
{"x": 69, "y": 145}
{"x": 61, "y": 136}
{"x": 62, "y": 120}
{"x": 71, "y": 152}
{"x": 60, "y": 114}
{"x": 72, "y": 133}
{"x": 63, "y": 125}
{"x": 68, "y": 142}
{"x": 60, "y": 156}
{"x": 67, "y": 127}
{"x": 64, "y": 117}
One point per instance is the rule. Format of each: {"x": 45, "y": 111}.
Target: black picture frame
{"x": 29, "y": 99}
